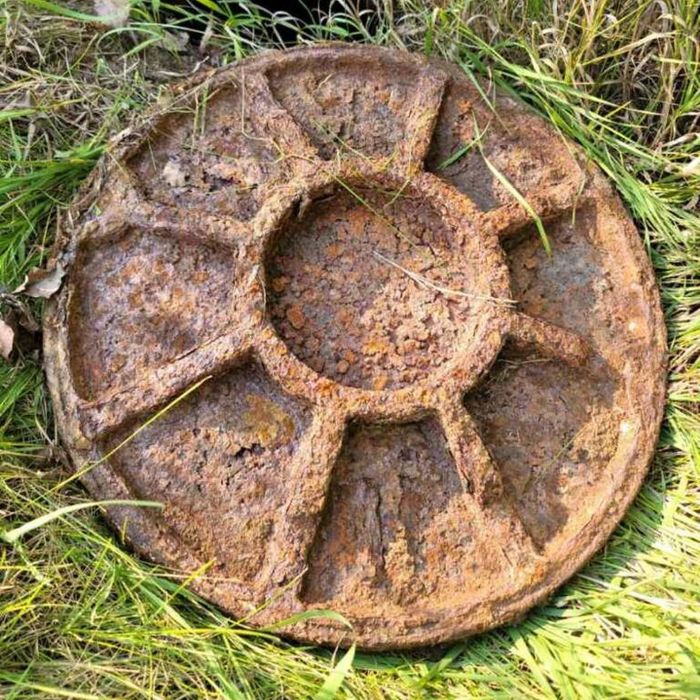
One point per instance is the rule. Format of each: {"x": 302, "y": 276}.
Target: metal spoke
{"x": 297, "y": 523}
{"x": 152, "y": 389}
{"x": 421, "y": 118}
{"x": 549, "y": 339}
{"x": 483, "y": 481}
{"x": 165, "y": 221}
{"x": 546, "y": 204}
{"x": 273, "y": 122}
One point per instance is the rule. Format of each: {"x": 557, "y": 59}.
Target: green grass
{"x": 80, "y": 618}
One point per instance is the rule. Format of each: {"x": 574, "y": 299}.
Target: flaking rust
{"x": 404, "y": 409}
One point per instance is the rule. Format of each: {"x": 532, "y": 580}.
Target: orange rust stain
{"x": 268, "y": 423}
{"x": 296, "y": 316}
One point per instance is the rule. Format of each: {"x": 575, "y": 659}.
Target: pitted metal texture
{"x": 306, "y": 312}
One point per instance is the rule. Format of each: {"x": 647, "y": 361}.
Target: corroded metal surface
{"x": 410, "y": 413}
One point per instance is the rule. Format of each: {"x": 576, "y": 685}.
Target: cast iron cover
{"x": 411, "y": 414}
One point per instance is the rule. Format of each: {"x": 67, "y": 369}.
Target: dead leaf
{"x": 206, "y": 37}
{"x": 42, "y": 284}
{"x": 114, "y": 13}
{"x": 7, "y": 339}
{"x": 692, "y": 168}
{"x": 176, "y": 41}
{"x": 173, "y": 174}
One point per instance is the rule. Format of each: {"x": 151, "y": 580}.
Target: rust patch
{"x": 409, "y": 412}
{"x": 363, "y": 303}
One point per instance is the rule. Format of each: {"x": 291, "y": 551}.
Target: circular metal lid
{"x": 404, "y": 409}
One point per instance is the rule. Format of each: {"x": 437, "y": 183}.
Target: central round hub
{"x": 373, "y": 287}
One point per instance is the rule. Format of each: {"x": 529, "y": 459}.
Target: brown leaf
{"x": 114, "y": 13}
{"x": 7, "y": 339}
{"x": 174, "y": 175}
{"x": 42, "y": 283}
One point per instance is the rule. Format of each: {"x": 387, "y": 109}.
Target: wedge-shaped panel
{"x": 553, "y": 430}
{"x": 221, "y": 150}
{"x": 219, "y": 462}
{"x": 142, "y": 301}
{"x": 486, "y": 145}
{"x": 354, "y": 104}
{"x": 399, "y": 528}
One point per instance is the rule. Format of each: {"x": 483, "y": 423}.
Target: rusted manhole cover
{"x": 415, "y": 416}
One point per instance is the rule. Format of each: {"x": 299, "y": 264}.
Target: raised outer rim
{"x": 139, "y": 528}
